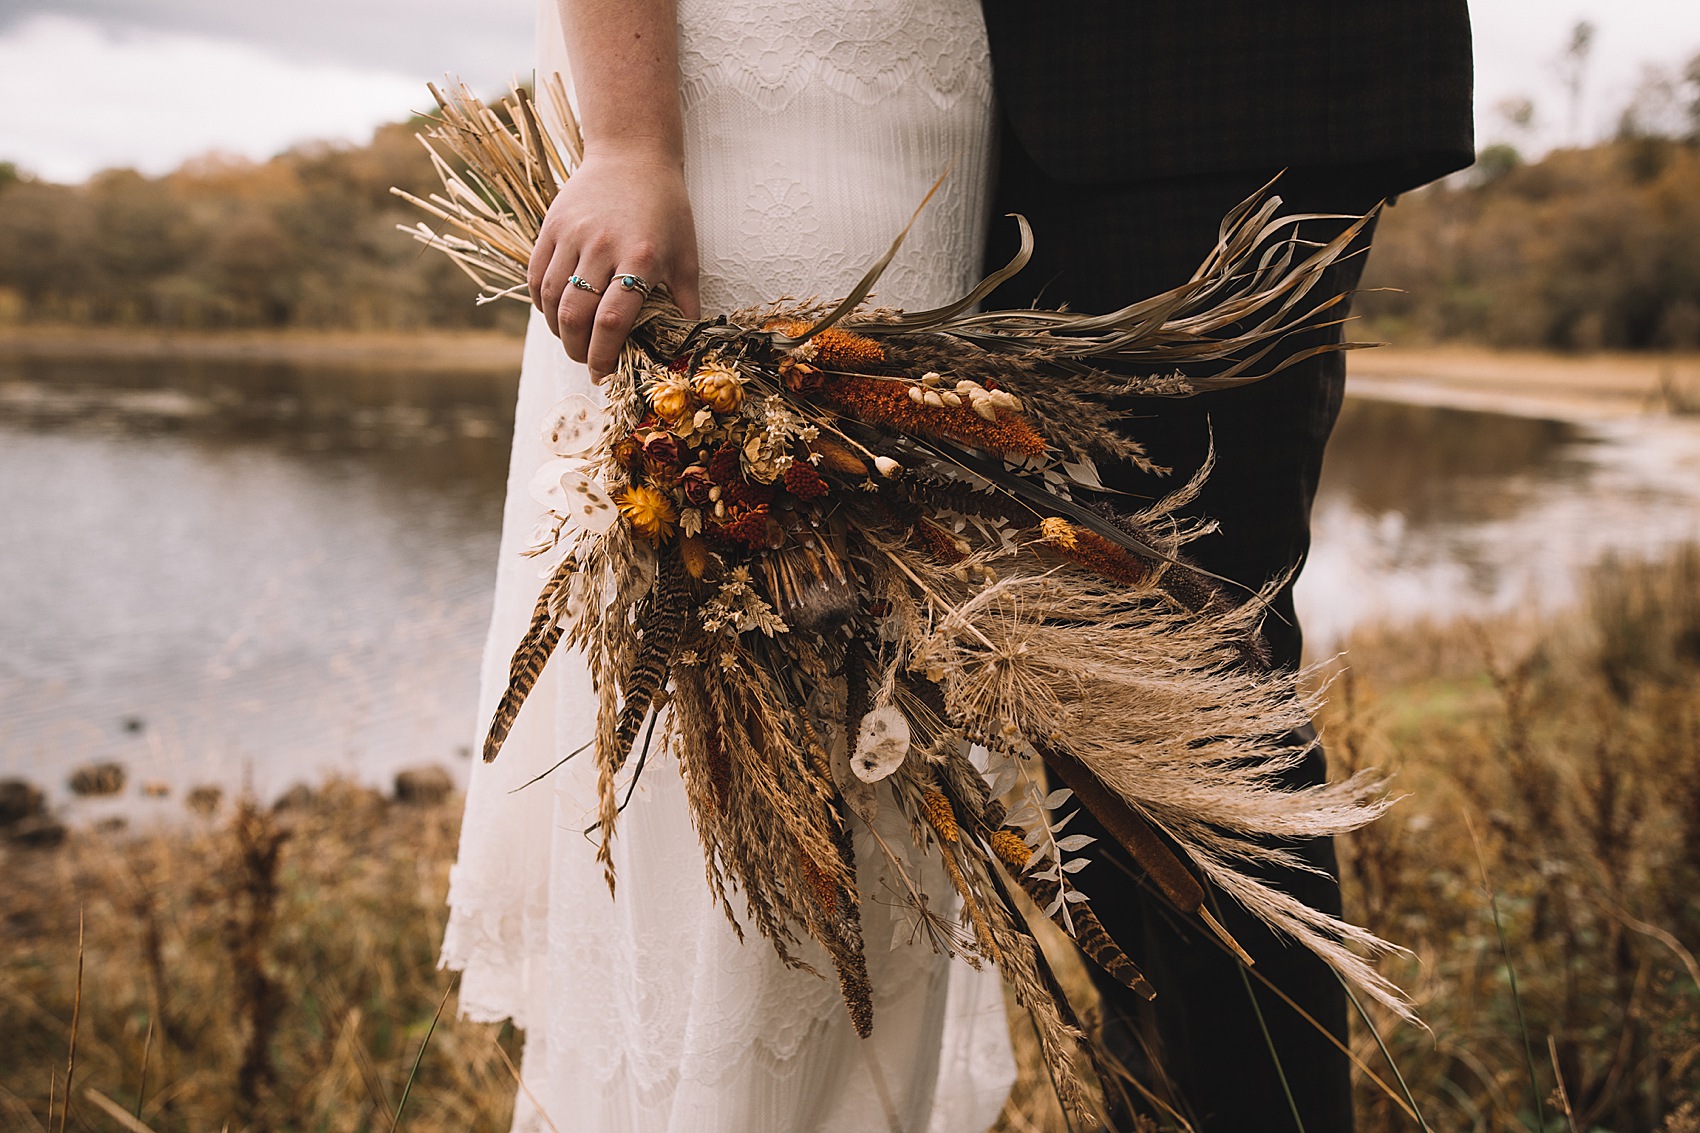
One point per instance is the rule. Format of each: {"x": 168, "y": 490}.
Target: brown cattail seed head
{"x": 939, "y": 815}
{"x": 835, "y": 457}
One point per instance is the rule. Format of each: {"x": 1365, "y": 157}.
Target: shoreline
{"x": 1529, "y": 383}
{"x": 1519, "y": 382}
{"x": 494, "y": 351}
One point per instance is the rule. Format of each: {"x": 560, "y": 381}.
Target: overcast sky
{"x": 91, "y": 84}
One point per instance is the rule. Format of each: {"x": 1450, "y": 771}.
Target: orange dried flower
{"x": 835, "y": 348}
{"x": 936, "y": 807}
{"x": 885, "y": 402}
{"x": 649, "y": 511}
{"x": 671, "y": 398}
{"x": 1011, "y": 848}
{"x": 719, "y": 387}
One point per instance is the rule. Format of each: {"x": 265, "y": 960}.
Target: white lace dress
{"x": 813, "y": 128}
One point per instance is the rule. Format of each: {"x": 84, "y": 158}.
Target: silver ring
{"x": 634, "y": 283}
{"x": 583, "y": 284}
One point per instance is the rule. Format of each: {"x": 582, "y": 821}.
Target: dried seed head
{"x": 1011, "y": 849}
{"x": 936, "y": 807}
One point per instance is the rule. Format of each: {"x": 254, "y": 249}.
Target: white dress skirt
{"x": 813, "y": 128}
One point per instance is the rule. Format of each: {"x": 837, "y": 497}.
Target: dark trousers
{"x": 1097, "y": 249}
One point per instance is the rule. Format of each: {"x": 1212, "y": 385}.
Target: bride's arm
{"x": 625, "y": 209}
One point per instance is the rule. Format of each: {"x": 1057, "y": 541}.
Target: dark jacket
{"x": 1116, "y": 91}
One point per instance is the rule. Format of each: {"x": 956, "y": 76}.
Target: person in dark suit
{"x": 1129, "y": 128}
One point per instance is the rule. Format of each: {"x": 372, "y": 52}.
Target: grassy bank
{"x": 274, "y": 969}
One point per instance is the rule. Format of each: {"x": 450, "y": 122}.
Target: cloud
{"x": 95, "y": 99}
{"x": 484, "y": 41}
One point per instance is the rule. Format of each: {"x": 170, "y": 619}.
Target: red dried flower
{"x": 802, "y": 481}
{"x": 742, "y": 493}
{"x": 724, "y": 466}
{"x": 695, "y": 483}
{"x": 749, "y": 527}
{"x": 660, "y": 450}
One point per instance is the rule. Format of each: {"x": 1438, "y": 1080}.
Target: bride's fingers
{"x": 537, "y": 270}
{"x": 576, "y": 310}
{"x": 554, "y": 289}
{"x": 684, "y": 286}
{"x": 614, "y": 318}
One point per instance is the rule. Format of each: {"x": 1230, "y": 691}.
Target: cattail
{"x": 1091, "y": 550}
{"x": 835, "y": 348}
{"x": 936, "y": 807}
{"x": 835, "y": 457}
{"x": 891, "y": 404}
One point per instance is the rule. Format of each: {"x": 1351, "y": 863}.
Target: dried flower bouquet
{"x": 829, "y": 558}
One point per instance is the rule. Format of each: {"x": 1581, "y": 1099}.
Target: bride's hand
{"x": 624, "y": 211}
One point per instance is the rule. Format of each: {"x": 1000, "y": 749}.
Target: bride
{"x": 736, "y": 152}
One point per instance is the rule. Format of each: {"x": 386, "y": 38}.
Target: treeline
{"x": 1584, "y": 249}
{"x": 1587, "y": 249}
{"x": 305, "y": 240}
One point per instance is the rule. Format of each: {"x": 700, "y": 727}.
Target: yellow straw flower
{"x": 649, "y": 512}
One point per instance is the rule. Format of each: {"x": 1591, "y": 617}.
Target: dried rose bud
{"x": 799, "y": 376}
{"x": 660, "y": 450}
{"x": 698, "y": 488}
{"x": 626, "y": 452}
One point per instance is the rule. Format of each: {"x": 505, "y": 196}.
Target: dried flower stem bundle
{"x": 824, "y": 553}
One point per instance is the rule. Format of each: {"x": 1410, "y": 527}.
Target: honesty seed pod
{"x": 882, "y": 742}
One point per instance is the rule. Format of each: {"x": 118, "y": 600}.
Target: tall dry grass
{"x": 274, "y": 970}
{"x": 283, "y": 963}
{"x": 1552, "y": 837}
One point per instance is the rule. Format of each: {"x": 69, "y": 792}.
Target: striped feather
{"x": 532, "y": 653}
{"x": 1090, "y": 936}
{"x": 660, "y": 625}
